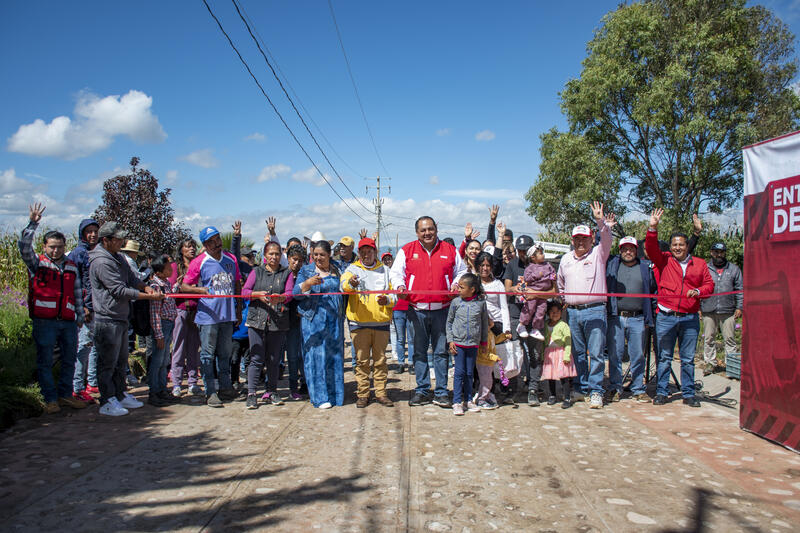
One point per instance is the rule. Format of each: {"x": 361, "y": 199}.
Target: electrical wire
{"x": 286, "y": 93}
{"x": 296, "y": 96}
{"x": 283, "y": 121}
{"x": 355, "y": 89}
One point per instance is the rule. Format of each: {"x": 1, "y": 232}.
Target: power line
{"x": 297, "y": 97}
{"x": 275, "y": 75}
{"x": 355, "y": 88}
{"x": 283, "y": 121}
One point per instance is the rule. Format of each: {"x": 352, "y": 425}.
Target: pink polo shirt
{"x": 588, "y": 273}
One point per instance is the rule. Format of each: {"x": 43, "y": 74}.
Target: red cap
{"x": 366, "y": 241}
{"x": 385, "y": 254}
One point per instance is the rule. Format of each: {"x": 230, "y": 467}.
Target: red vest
{"x": 51, "y": 291}
{"x": 432, "y": 272}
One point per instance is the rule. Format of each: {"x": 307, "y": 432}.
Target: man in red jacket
{"x": 682, "y": 281}
{"x": 428, "y": 264}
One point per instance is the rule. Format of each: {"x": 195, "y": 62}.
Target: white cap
{"x": 581, "y": 230}
{"x": 318, "y": 236}
{"x": 628, "y": 240}
{"x": 489, "y": 249}
{"x": 537, "y": 247}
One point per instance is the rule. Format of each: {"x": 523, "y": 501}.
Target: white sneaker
{"x": 129, "y": 402}
{"x": 536, "y": 334}
{"x": 113, "y": 408}
{"x": 326, "y": 405}
{"x": 596, "y": 401}
{"x": 176, "y": 392}
{"x": 472, "y": 408}
{"x": 522, "y": 331}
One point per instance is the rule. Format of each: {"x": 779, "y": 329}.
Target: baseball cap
{"x": 247, "y": 250}
{"x": 385, "y": 254}
{"x": 523, "y": 242}
{"x": 628, "y": 240}
{"x": 581, "y": 230}
{"x": 366, "y": 241}
{"x": 208, "y": 232}
{"x": 719, "y": 246}
{"x": 112, "y": 229}
{"x": 348, "y": 241}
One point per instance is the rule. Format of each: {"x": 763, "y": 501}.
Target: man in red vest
{"x": 428, "y": 264}
{"x": 682, "y": 281}
{"x": 55, "y": 305}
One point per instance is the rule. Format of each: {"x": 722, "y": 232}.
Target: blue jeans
{"x": 160, "y": 359}
{"x": 684, "y": 330}
{"x": 294, "y": 356}
{"x": 215, "y": 352}
{"x": 86, "y": 362}
{"x": 620, "y": 329}
{"x": 464, "y": 362}
{"x": 588, "y": 329}
{"x": 429, "y": 329}
{"x": 403, "y": 330}
{"x": 46, "y": 334}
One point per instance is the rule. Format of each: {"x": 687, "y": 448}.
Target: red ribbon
{"x": 510, "y": 293}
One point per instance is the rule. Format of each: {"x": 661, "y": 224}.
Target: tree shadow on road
{"x": 704, "y": 504}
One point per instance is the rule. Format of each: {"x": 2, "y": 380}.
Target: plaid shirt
{"x": 161, "y": 310}
{"x": 31, "y": 259}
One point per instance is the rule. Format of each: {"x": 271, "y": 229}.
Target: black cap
{"x": 523, "y": 242}
{"x": 720, "y": 246}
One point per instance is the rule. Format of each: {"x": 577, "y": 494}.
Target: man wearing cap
{"x": 583, "y": 270}
{"x": 215, "y": 272}
{"x": 369, "y": 316}
{"x": 428, "y": 264}
{"x": 114, "y": 286}
{"x": 721, "y": 312}
{"x": 55, "y": 305}
{"x": 682, "y": 280}
{"x": 528, "y": 347}
{"x": 346, "y": 255}
{"x": 628, "y": 317}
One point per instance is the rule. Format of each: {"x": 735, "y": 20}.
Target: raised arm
{"x": 26, "y": 239}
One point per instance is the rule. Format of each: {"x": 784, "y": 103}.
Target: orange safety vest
{"x": 51, "y": 290}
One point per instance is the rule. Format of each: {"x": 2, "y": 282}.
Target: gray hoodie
{"x": 468, "y": 322}
{"x": 113, "y": 285}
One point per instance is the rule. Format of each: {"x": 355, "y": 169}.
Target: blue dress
{"x": 323, "y": 341}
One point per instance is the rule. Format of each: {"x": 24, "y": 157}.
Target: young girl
{"x": 162, "y": 322}
{"x": 558, "y": 364}
{"x": 539, "y": 275}
{"x": 467, "y": 327}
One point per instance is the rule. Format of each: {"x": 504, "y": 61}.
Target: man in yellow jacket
{"x": 369, "y": 316}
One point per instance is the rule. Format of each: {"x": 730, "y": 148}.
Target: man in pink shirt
{"x": 583, "y": 270}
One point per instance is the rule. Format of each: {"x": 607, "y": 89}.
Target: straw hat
{"x": 131, "y": 246}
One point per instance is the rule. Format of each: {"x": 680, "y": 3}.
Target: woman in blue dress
{"x": 321, "y": 326}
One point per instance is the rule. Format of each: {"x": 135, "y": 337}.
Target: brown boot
{"x": 363, "y": 402}
{"x": 51, "y": 407}
{"x": 384, "y": 401}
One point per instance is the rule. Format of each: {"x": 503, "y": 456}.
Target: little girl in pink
{"x": 558, "y": 364}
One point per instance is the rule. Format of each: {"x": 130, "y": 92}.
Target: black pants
{"x": 566, "y": 385}
{"x": 265, "y": 349}
{"x": 239, "y": 349}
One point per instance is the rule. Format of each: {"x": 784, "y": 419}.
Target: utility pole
{"x": 378, "y": 202}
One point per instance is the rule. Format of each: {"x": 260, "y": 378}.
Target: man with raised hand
{"x": 428, "y": 264}
{"x": 55, "y": 305}
{"x": 583, "y": 270}
{"x": 682, "y": 280}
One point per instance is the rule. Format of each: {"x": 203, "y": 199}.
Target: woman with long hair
{"x": 185, "y": 334}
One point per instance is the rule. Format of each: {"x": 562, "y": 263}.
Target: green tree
{"x": 134, "y": 201}
{"x": 669, "y": 93}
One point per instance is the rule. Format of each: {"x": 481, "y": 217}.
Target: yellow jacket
{"x": 364, "y": 308}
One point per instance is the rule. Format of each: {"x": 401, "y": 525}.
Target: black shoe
{"x": 691, "y": 401}
{"x": 566, "y": 404}
{"x": 252, "y": 401}
{"x": 214, "y": 401}
{"x": 156, "y": 401}
{"x": 167, "y": 397}
{"x": 303, "y": 389}
{"x": 550, "y": 401}
{"x": 419, "y": 399}
{"x": 443, "y": 402}
{"x": 660, "y": 399}
{"x": 533, "y": 399}
{"x": 400, "y": 368}
{"x": 242, "y": 395}
{"x": 227, "y": 395}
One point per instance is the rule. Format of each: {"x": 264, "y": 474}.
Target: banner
{"x": 770, "y": 397}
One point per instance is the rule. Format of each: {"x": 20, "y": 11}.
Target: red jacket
{"x": 672, "y": 282}
{"x": 51, "y": 291}
{"x": 432, "y": 272}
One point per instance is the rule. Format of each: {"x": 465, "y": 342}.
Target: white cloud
{"x": 171, "y": 177}
{"x": 98, "y": 120}
{"x": 309, "y": 175}
{"x": 272, "y": 172}
{"x": 507, "y": 194}
{"x": 443, "y": 132}
{"x": 256, "y": 136}
{"x": 485, "y": 135}
{"x": 433, "y": 180}
{"x": 16, "y": 194}
{"x": 202, "y": 158}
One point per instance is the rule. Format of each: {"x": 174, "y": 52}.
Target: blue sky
{"x": 456, "y": 94}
